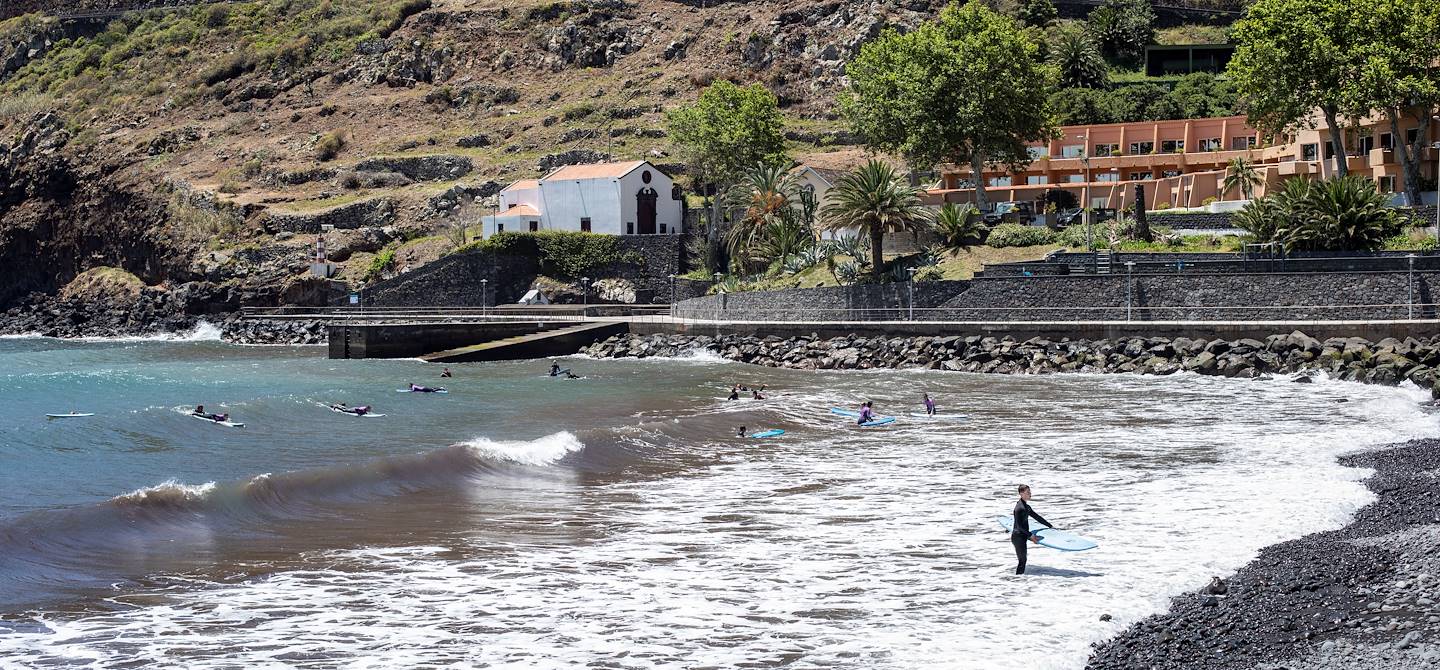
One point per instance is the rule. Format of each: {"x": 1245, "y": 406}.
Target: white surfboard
{"x": 72, "y": 415}
{"x": 207, "y": 419}
{"x": 1055, "y": 539}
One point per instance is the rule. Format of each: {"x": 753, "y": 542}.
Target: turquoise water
{"x": 524, "y": 521}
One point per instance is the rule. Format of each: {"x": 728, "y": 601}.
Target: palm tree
{"x": 1079, "y": 60}
{"x": 767, "y": 194}
{"x": 959, "y": 227}
{"x": 875, "y": 199}
{"x": 1240, "y": 172}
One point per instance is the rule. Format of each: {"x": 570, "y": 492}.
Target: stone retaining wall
{"x": 1192, "y": 220}
{"x": 1152, "y": 297}
{"x": 420, "y": 168}
{"x": 363, "y": 214}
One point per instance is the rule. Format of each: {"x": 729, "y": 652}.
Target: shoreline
{"x": 1359, "y": 597}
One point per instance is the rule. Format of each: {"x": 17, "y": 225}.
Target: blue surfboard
{"x": 1055, "y": 539}
{"x": 877, "y": 421}
{"x": 767, "y": 433}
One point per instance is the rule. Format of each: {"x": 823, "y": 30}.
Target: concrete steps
{"x": 561, "y": 341}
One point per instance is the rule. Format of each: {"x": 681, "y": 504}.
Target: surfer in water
{"x": 929, "y": 405}
{"x": 554, "y": 368}
{"x": 1020, "y": 528}
{"x": 741, "y": 433}
{"x": 755, "y": 395}
{"x": 416, "y": 388}
{"x": 200, "y": 412}
{"x": 734, "y": 393}
{"x": 867, "y": 412}
{"x": 446, "y": 373}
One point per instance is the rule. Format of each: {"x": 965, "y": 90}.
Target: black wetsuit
{"x": 1020, "y": 532}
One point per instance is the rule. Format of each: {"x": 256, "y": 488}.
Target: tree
{"x": 1240, "y": 173}
{"x": 1038, "y": 13}
{"x": 767, "y": 194}
{"x": 1078, "y": 60}
{"x": 874, "y": 199}
{"x": 959, "y": 226}
{"x": 726, "y": 131}
{"x": 1123, "y": 28}
{"x": 1399, "y": 56}
{"x": 963, "y": 89}
{"x": 1292, "y": 58}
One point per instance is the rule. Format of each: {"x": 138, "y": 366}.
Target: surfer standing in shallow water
{"x": 1020, "y": 530}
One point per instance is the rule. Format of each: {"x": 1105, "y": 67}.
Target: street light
{"x": 1436, "y": 147}
{"x": 912, "y": 271}
{"x": 1129, "y": 286}
{"x": 585, "y": 292}
{"x": 1085, "y": 206}
{"x": 1410, "y": 287}
{"x": 484, "y": 296}
{"x": 672, "y": 295}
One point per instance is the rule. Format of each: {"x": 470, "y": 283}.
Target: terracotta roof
{"x": 593, "y": 171}
{"x": 519, "y": 210}
{"x": 523, "y": 185}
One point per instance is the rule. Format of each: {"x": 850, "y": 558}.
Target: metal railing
{"x": 1122, "y": 312}
{"x": 415, "y": 314}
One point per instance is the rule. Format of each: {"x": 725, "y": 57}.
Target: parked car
{"x": 1010, "y": 212}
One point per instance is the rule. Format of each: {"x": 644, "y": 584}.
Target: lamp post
{"x": 911, "y": 286}
{"x": 1410, "y": 287}
{"x": 1129, "y": 287}
{"x": 1436, "y": 147}
{"x": 585, "y": 292}
{"x": 1085, "y": 206}
{"x": 672, "y": 295}
{"x": 484, "y": 297}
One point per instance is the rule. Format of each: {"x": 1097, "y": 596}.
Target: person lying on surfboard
{"x": 362, "y": 410}
{"x": 200, "y": 412}
{"x": 415, "y": 388}
{"x": 1020, "y": 529}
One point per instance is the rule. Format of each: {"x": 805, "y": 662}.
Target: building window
{"x": 1074, "y": 178}
{"x": 1141, "y": 176}
{"x": 1309, "y": 152}
{"x": 1242, "y": 143}
{"x": 663, "y": 229}
{"x": 1169, "y": 174}
{"x": 1211, "y": 144}
{"x": 511, "y": 205}
{"x": 1387, "y": 184}
{"x": 1107, "y": 149}
{"x": 629, "y": 227}
{"x": 1107, "y": 176}
{"x": 1387, "y": 141}
{"x": 1032, "y": 180}
{"x": 1364, "y": 145}
{"x": 1142, "y": 148}
{"x": 1037, "y": 153}
{"x": 1072, "y": 150}
{"x": 1000, "y": 181}
{"x": 499, "y": 227}
{"x": 1172, "y": 146}
{"x": 534, "y": 226}
{"x": 1411, "y": 135}
{"x": 584, "y": 224}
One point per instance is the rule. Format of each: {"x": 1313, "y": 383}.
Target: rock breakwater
{"x": 1388, "y": 361}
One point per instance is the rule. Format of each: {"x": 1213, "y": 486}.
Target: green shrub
{"x": 328, "y": 146}
{"x": 382, "y": 262}
{"x": 1340, "y": 214}
{"x": 565, "y": 254}
{"x": 959, "y": 227}
{"x": 1016, "y": 235}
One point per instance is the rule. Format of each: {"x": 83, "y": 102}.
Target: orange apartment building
{"x": 1182, "y": 163}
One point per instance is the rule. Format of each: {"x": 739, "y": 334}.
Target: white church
{"x": 625, "y": 198}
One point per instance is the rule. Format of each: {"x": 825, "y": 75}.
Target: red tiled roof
{"x": 593, "y": 171}
{"x": 520, "y": 210}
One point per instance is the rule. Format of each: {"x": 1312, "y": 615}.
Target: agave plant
{"x": 781, "y": 238}
{"x": 1345, "y": 213}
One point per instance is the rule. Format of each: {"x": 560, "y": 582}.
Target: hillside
{"x": 180, "y": 144}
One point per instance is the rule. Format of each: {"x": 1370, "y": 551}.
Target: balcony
{"x": 1297, "y": 168}
{"x": 1379, "y": 157}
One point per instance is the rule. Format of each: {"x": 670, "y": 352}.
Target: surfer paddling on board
{"x": 1020, "y": 530}
{"x": 929, "y": 405}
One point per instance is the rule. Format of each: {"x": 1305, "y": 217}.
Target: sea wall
{"x": 1388, "y": 361}
{"x": 1151, "y": 297}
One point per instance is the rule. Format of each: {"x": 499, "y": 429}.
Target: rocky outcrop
{"x": 1389, "y": 361}
{"x": 420, "y": 168}
{"x": 594, "y": 39}
{"x": 450, "y": 200}
{"x": 549, "y": 162}
{"x": 256, "y": 331}
{"x": 362, "y": 214}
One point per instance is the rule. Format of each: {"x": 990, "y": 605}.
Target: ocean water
{"x": 615, "y": 521}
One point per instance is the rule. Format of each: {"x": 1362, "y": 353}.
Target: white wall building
{"x": 819, "y": 181}
{"x": 628, "y": 198}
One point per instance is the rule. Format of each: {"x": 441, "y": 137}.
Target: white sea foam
{"x": 833, "y": 547}
{"x": 544, "y": 451}
{"x": 169, "y": 491}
